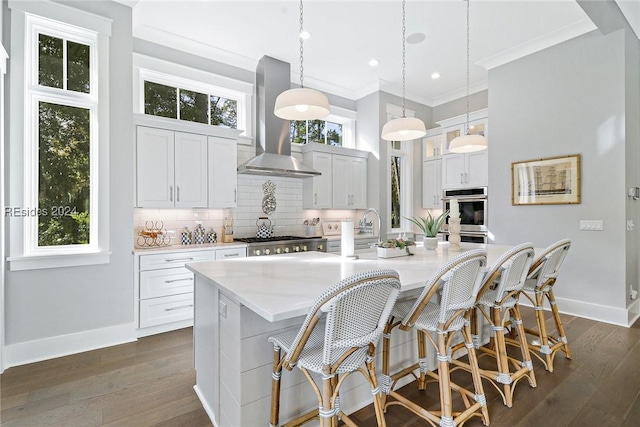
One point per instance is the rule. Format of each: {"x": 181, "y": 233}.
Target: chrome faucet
{"x": 364, "y": 220}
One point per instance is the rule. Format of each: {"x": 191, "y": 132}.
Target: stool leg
{"x": 556, "y": 315}
{"x": 275, "y": 387}
{"x": 422, "y": 358}
{"x": 475, "y": 374}
{"x": 386, "y": 370}
{"x": 504, "y": 374}
{"x": 542, "y": 330}
{"x": 377, "y": 396}
{"x": 326, "y": 407}
{"x": 524, "y": 346}
{"x": 446, "y": 401}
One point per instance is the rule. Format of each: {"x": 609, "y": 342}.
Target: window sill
{"x": 36, "y": 262}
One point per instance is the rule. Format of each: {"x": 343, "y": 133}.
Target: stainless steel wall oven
{"x": 473, "y": 204}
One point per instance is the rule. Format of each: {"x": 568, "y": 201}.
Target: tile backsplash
{"x": 287, "y": 219}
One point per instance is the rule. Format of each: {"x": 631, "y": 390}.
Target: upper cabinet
{"x": 343, "y": 180}
{"x": 185, "y": 170}
{"x": 432, "y": 184}
{"x": 465, "y": 170}
{"x": 171, "y": 169}
{"x": 432, "y": 145}
{"x": 223, "y": 175}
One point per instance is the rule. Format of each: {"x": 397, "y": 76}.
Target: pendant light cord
{"x": 468, "y": 131}
{"x": 404, "y": 54}
{"x": 301, "y": 46}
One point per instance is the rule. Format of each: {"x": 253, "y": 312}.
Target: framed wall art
{"x": 548, "y": 181}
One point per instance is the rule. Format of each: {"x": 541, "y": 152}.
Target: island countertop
{"x": 280, "y": 287}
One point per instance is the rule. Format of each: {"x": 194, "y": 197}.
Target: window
{"x": 60, "y": 135}
{"x": 189, "y": 105}
{"x": 320, "y": 131}
{"x": 396, "y": 194}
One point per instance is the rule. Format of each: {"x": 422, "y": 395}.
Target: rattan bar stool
{"x": 538, "y": 287}
{"x": 497, "y": 302}
{"x": 338, "y": 337}
{"x": 456, "y": 285}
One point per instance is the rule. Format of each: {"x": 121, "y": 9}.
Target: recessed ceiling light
{"x": 305, "y": 35}
{"x": 373, "y": 62}
{"x": 416, "y": 38}
{"x": 435, "y": 76}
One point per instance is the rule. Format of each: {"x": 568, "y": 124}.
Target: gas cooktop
{"x": 271, "y": 239}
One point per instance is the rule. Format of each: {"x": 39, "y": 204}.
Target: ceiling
{"x": 345, "y": 35}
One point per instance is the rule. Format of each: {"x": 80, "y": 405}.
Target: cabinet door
{"x": 358, "y": 183}
{"x": 477, "y": 169}
{"x": 431, "y": 147}
{"x": 432, "y": 184}
{"x": 223, "y": 173}
{"x": 190, "y": 170}
{"x": 317, "y": 190}
{"x": 154, "y": 168}
{"x": 453, "y": 170}
{"x": 451, "y": 133}
{"x": 341, "y": 187}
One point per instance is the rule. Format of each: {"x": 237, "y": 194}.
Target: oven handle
{"x": 463, "y": 198}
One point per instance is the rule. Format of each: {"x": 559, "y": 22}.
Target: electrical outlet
{"x": 591, "y": 225}
{"x": 633, "y": 294}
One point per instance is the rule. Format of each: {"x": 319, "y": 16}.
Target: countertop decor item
{"x": 429, "y": 225}
{"x": 265, "y": 229}
{"x": 153, "y": 235}
{"x": 394, "y": 248}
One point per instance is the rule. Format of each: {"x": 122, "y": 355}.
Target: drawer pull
{"x": 178, "y": 280}
{"x": 178, "y": 259}
{"x": 179, "y": 307}
{"x": 230, "y": 255}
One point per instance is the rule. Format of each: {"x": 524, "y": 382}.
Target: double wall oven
{"x": 473, "y": 213}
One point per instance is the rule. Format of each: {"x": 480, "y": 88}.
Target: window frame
{"x": 345, "y": 118}
{"x": 29, "y": 19}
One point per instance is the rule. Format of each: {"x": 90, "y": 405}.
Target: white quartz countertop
{"x": 279, "y": 287}
{"x": 186, "y": 248}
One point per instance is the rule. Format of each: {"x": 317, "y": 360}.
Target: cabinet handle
{"x": 177, "y": 193}
{"x": 235, "y": 195}
{"x": 179, "y": 307}
{"x": 461, "y": 178}
{"x": 466, "y": 177}
{"x": 178, "y": 280}
{"x": 178, "y": 259}
{"x": 230, "y": 255}
{"x": 171, "y": 193}
{"x": 315, "y": 198}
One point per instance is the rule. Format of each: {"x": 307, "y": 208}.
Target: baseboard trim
{"x": 206, "y": 406}
{"x": 64, "y": 345}
{"x": 600, "y": 313}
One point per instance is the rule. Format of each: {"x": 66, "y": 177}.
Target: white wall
{"x": 567, "y": 99}
{"x": 62, "y": 310}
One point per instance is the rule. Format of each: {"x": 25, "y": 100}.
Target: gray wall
{"x": 568, "y": 99}
{"x": 53, "y": 302}
{"x": 477, "y": 101}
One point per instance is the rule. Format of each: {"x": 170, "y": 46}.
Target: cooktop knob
{"x": 296, "y": 248}
{"x": 286, "y": 250}
{"x": 267, "y": 251}
{"x": 278, "y": 250}
{"x": 304, "y": 248}
{"x": 257, "y": 252}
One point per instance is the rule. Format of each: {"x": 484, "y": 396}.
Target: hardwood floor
{"x": 150, "y": 383}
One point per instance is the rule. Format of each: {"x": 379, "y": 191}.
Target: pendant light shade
{"x": 468, "y": 143}
{"x": 403, "y": 128}
{"x": 301, "y": 104}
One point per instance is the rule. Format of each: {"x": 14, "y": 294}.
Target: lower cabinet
{"x": 335, "y": 246}
{"x": 164, "y": 287}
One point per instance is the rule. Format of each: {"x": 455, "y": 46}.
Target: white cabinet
{"x": 465, "y": 170}
{"x": 171, "y": 169}
{"x": 223, "y": 175}
{"x": 432, "y": 146}
{"x": 343, "y": 183}
{"x": 432, "y": 184}
{"x": 317, "y": 191}
{"x": 478, "y": 126}
{"x": 335, "y": 245}
{"x": 164, "y": 287}
{"x": 349, "y": 182}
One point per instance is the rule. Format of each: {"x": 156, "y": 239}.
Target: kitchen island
{"x": 239, "y": 303}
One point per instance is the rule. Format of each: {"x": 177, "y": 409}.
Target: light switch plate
{"x": 591, "y": 225}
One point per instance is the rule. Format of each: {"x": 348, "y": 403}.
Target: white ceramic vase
{"x": 430, "y": 243}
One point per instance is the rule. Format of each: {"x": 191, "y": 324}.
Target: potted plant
{"x": 394, "y": 248}
{"x": 430, "y": 226}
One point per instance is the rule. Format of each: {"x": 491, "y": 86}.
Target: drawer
{"x": 158, "y": 311}
{"x": 165, "y": 282}
{"x": 334, "y": 245}
{"x": 363, "y": 243}
{"x": 231, "y": 253}
{"x": 176, "y": 259}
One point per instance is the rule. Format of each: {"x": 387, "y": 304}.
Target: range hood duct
{"x": 273, "y": 142}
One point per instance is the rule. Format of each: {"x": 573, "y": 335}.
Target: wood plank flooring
{"x": 150, "y": 383}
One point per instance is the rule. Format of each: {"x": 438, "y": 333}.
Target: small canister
{"x": 212, "y": 237}
{"x": 186, "y": 236}
{"x": 199, "y": 235}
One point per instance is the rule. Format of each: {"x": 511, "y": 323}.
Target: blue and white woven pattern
{"x": 511, "y": 270}
{"x": 552, "y": 259}
{"x": 460, "y": 281}
{"x": 355, "y": 312}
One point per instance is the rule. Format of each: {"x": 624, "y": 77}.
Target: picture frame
{"x": 546, "y": 181}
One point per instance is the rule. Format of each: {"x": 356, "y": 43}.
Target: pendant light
{"x": 301, "y": 103}
{"x": 468, "y": 143}
{"x": 403, "y": 128}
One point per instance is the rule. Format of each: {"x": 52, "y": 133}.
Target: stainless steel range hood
{"x": 273, "y": 143}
